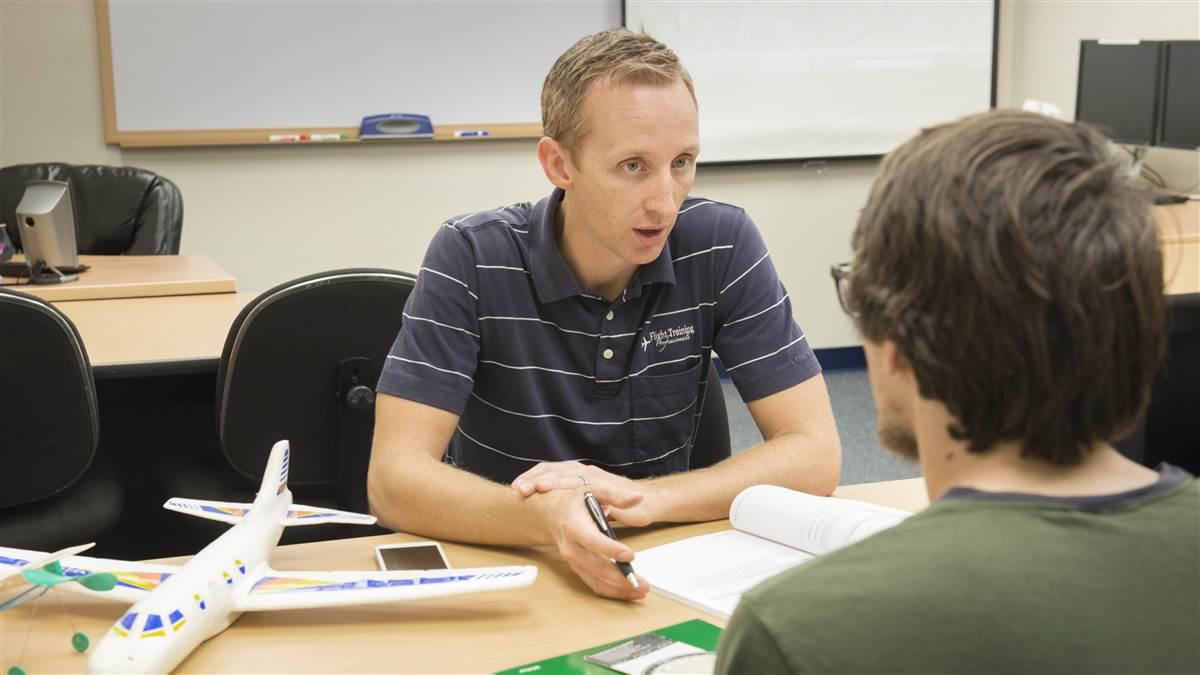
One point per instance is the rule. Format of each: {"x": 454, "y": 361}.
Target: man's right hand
{"x": 585, "y": 548}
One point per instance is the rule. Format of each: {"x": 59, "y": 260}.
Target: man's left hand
{"x": 548, "y": 476}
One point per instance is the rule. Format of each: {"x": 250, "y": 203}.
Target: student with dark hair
{"x": 1008, "y": 286}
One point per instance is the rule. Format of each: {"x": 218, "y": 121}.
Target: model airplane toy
{"x": 177, "y": 607}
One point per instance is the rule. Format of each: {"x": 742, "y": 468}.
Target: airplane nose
{"x": 116, "y": 654}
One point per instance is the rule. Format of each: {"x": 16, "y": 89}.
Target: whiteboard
{"x": 250, "y": 64}
{"x": 784, "y": 80}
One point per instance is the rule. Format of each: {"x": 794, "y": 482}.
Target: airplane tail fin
{"x": 274, "y": 484}
{"x": 274, "y": 481}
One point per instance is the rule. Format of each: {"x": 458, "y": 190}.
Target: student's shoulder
{"x": 892, "y": 565}
{"x": 818, "y": 612}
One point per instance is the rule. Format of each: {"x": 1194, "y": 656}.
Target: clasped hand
{"x": 559, "y": 487}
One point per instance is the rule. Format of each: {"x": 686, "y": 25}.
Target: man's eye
{"x": 632, "y": 167}
{"x": 682, "y": 162}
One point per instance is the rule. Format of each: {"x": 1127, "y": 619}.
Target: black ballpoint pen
{"x": 593, "y": 508}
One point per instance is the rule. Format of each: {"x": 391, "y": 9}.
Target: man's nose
{"x": 661, "y": 198}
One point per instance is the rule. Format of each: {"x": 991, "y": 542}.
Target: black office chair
{"x": 301, "y": 362}
{"x": 119, "y": 210}
{"x": 712, "y": 438}
{"x": 52, "y": 494}
{"x": 1170, "y": 430}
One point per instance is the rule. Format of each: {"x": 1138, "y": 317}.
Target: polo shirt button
{"x": 609, "y": 316}
{"x": 608, "y": 353}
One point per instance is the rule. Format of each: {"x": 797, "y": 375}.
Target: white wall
{"x": 268, "y": 214}
{"x": 1039, "y": 55}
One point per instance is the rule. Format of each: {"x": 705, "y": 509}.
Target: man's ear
{"x": 555, "y": 163}
{"x": 894, "y": 361}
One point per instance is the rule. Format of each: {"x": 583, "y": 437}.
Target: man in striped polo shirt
{"x": 563, "y": 344}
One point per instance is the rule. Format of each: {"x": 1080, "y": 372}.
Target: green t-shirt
{"x": 992, "y": 583}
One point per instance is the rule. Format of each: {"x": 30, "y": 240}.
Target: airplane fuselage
{"x": 196, "y": 602}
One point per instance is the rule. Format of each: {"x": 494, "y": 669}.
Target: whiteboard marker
{"x": 479, "y": 133}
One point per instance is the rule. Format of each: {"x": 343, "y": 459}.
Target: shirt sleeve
{"x": 757, "y": 338}
{"x": 748, "y": 647}
{"x": 434, "y": 358}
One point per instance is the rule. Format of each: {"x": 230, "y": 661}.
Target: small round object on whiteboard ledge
{"x": 80, "y": 642}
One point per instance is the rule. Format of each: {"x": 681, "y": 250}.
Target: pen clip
{"x": 593, "y": 508}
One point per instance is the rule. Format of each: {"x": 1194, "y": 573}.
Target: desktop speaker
{"x": 47, "y": 223}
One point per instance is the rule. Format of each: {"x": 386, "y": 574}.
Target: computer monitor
{"x": 1118, "y": 89}
{"x": 47, "y": 223}
{"x": 1180, "y": 122}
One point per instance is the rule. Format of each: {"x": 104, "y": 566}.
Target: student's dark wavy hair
{"x": 1012, "y": 261}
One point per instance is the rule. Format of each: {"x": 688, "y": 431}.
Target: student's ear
{"x": 555, "y": 162}
{"x": 894, "y": 361}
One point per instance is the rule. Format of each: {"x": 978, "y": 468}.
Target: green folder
{"x": 696, "y": 632}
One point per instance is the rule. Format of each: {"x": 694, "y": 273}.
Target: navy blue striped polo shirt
{"x": 499, "y": 332}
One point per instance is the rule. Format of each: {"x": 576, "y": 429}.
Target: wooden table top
{"x": 471, "y": 633}
{"x": 1178, "y": 222}
{"x": 1179, "y": 232}
{"x": 155, "y": 335}
{"x": 135, "y": 276}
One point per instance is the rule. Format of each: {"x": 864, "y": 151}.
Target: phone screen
{"x": 419, "y": 556}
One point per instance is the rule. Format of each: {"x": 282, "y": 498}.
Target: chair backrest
{"x": 118, "y": 209}
{"x": 49, "y": 425}
{"x": 1171, "y": 432}
{"x": 301, "y": 362}
{"x": 712, "y": 438}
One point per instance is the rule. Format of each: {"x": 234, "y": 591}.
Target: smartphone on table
{"x": 417, "y": 555}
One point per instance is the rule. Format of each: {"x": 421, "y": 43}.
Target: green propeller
{"x": 52, "y": 575}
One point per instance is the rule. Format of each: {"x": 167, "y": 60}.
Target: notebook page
{"x": 814, "y": 524}
{"x": 710, "y": 572}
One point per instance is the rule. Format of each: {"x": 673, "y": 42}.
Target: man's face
{"x": 633, "y": 169}
{"x": 893, "y": 421}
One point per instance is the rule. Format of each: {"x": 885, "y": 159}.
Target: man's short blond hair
{"x": 617, "y": 53}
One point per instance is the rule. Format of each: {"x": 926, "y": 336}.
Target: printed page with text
{"x": 775, "y": 529}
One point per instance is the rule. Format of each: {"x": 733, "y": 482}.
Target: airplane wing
{"x": 10, "y": 575}
{"x": 300, "y": 514}
{"x": 225, "y": 512}
{"x": 233, "y": 512}
{"x": 134, "y": 579}
{"x": 273, "y": 590}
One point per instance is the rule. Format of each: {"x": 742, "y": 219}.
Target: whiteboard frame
{"x": 259, "y": 136}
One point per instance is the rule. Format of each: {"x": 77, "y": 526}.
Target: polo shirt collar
{"x": 552, "y": 278}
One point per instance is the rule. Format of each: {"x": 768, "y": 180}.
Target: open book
{"x": 774, "y": 529}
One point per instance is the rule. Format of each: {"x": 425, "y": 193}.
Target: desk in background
{"x": 154, "y": 328}
{"x": 148, "y": 315}
{"x": 135, "y": 276}
{"x": 1179, "y": 236}
{"x": 133, "y": 337}
{"x": 470, "y": 633}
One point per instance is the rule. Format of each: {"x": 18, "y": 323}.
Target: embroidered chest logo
{"x": 661, "y": 339}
